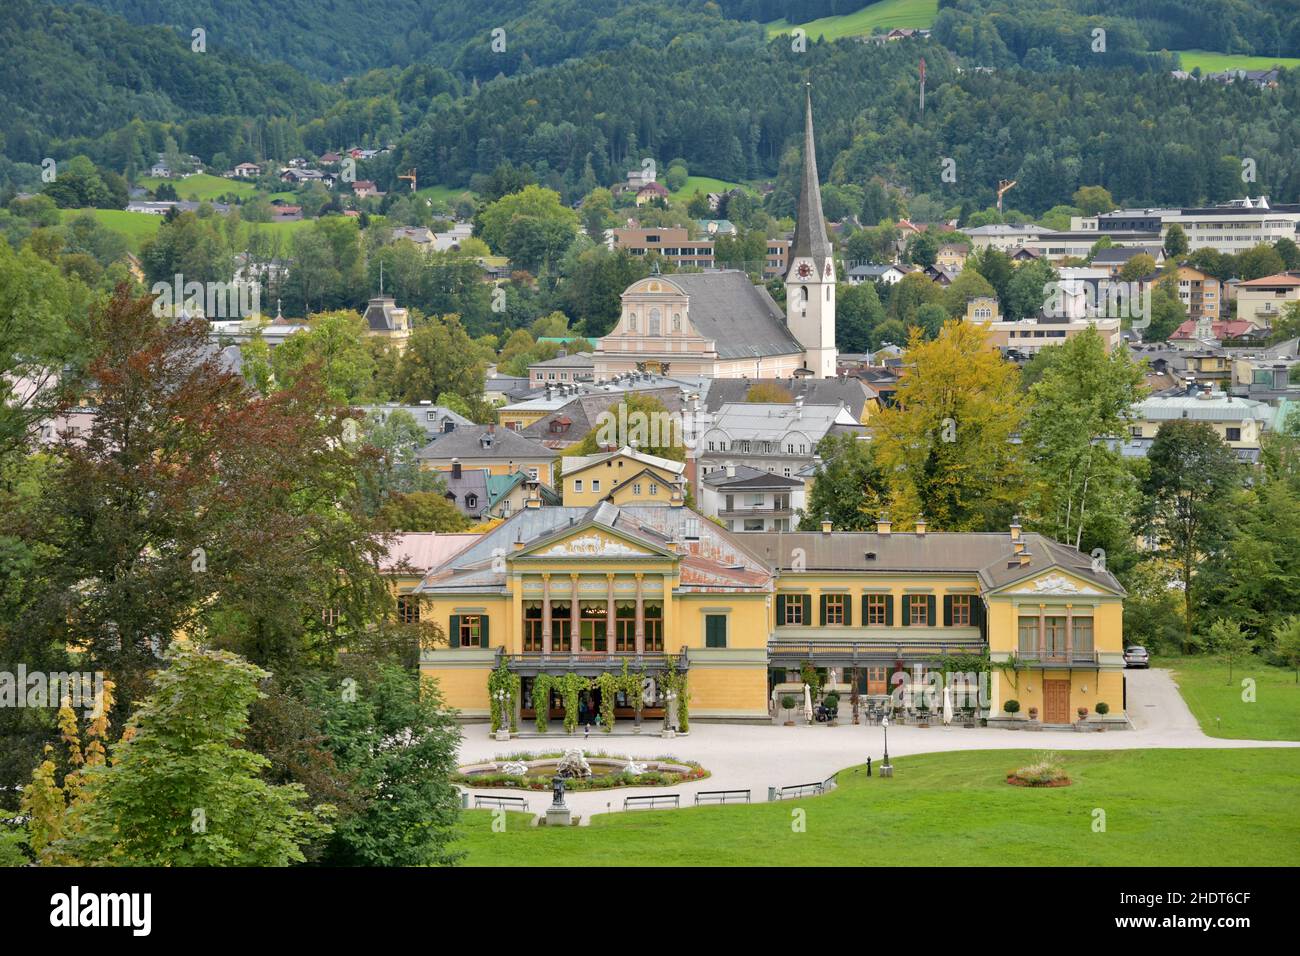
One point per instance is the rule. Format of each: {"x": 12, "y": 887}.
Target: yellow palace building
{"x": 590, "y": 589}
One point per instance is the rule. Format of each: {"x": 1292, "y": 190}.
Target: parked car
{"x": 1137, "y": 657}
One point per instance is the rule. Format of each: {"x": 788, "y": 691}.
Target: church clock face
{"x": 804, "y": 270}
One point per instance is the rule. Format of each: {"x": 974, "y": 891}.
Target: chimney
{"x": 826, "y": 524}
{"x": 920, "y": 525}
{"x": 731, "y": 470}
{"x": 1015, "y": 527}
{"x": 679, "y": 493}
{"x": 1025, "y": 558}
{"x": 1018, "y": 546}
{"x": 798, "y": 407}
{"x": 519, "y": 542}
{"x": 534, "y": 499}
{"x": 883, "y": 523}
{"x": 455, "y": 468}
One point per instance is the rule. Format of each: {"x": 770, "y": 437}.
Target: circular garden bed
{"x": 535, "y": 772}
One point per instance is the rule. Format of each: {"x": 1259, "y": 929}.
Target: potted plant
{"x": 832, "y": 704}
{"x": 923, "y": 715}
{"x": 1033, "y": 713}
{"x": 787, "y": 703}
{"x": 1012, "y": 707}
{"x": 1083, "y": 713}
{"x": 1103, "y": 708}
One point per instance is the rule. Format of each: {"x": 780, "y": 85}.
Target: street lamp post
{"x": 886, "y": 769}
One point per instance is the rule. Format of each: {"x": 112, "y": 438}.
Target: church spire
{"x": 810, "y": 240}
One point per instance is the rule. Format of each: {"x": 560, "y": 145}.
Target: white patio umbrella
{"x": 947, "y": 706}
{"x": 807, "y": 703}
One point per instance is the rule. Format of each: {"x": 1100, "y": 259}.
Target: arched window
{"x": 631, "y": 321}
{"x": 677, "y": 321}
{"x": 803, "y": 293}
{"x": 655, "y": 323}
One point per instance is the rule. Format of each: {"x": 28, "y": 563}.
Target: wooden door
{"x": 1056, "y": 701}
{"x": 877, "y": 680}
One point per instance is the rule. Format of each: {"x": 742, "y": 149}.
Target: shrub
{"x": 1103, "y": 708}
{"x": 832, "y": 701}
{"x": 1045, "y": 770}
{"x": 787, "y": 702}
{"x": 1012, "y": 707}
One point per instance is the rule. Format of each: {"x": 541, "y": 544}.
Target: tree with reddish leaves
{"x": 193, "y": 505}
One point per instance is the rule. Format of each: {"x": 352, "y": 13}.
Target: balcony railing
{"x": 1053, "y": 658}
{"x": 784, "y": 512}
{"x": 536, "y": 661}
{"x": 868, "y": 650}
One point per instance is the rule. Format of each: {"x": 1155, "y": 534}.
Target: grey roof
{"x": 741, "y": 318}
{"x": 853, "y": 393}
{"x": 380, "y": 313}
{"x": 988, "y": 554}
{"x": 467, "y": 444}
{"x": 421, "y": 413}
{"x": 747, "y": 476}
{"x": 577, "y": 359}
{"x": 472, "y": 482}
{"x": 810, "y": 240}
{"x": 584, "y": 410}
{"x": 711, "y": 558}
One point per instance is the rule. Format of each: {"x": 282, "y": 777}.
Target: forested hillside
{"x": 333, "y": 39}
{"x": 67, "y": 72}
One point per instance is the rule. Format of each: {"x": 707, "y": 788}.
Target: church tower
{"x": 810, "y": 282}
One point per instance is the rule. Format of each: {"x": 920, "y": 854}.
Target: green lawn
{"x": 136, "y": 226}
{"x": 1274, "y": 714}
{"x": 1218, "y": 62}
{"x": 704, "y": 184}
{"x": 886, "y": 14}
{"x": 1162, "y": 808}
{"x": 445, "y": 194}
{"x": 201, "y": 186}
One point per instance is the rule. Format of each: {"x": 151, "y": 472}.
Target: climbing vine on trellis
{"x": 543, "y": 684}
{"x": 609, "y": 685}
{"x": 672, "y": 680}
{"x": 570, "y": 686}
{"x": 502, "y": 679}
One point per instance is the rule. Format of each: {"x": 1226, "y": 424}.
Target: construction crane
{"x": 1003, "y": 187}
{"x": 409, "y": 174}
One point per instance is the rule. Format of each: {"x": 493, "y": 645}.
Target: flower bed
{"x": 607, "y": 772}
{"x": 1044, "y": 772}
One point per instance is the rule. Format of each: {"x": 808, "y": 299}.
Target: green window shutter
{"x": 865, "y": 618}
{"x": 483, "y": 630}
{"x": 715, "y": 630}
{"x": 823, "y": 610}
{"x": 806, "y": 600}
{"x": 977, "y": 612}
{"x": 848, "y": 611}
{"x": 780, "y": 610}
{"x": 947, "y": 610}
{"x": 906, "y": 610}
{"x": 889, "y": 610}
{"x": 453, "y": 639}
{"x": 930, "y": 619}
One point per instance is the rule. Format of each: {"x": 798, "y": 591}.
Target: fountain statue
{"x": 634, "y": 769}
{"x": 573, "y": 764}
{"x": 515, "y": 768}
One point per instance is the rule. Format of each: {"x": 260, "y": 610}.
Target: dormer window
{"x": 471, "y": 501}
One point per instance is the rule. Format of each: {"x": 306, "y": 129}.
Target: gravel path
{"x": 755, "y": 757}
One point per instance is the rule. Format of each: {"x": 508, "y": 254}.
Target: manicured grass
{"x": 201, "y": 186}
{"x": 1218, "y": 62}
{"x": 1217, "y": 704}
{"x": 445, "y": 194}
{"x": 704, "y": 184}
{"x": 136, "y": 226}
{"x": 886, "y": 14}
{"x": 1162, "y": 808}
